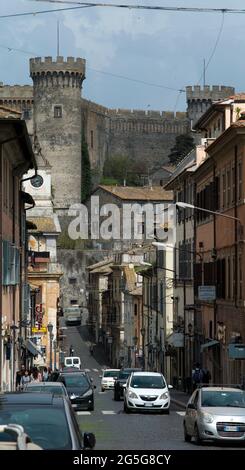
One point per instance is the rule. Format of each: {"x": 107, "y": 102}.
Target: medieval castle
{"x": 57, "y": 116}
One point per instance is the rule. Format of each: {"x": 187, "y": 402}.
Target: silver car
{"x": 215, "y": 413}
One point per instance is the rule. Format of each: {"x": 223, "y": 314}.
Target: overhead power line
{"x": 147, "y": 7}
{"x": 122, "y": 77}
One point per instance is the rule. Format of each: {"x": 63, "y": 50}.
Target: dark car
{"x": 57, "y": 388}
{"x": 48, "y": 419}
{"x": 80, "y": 389}
{"x": 121, "y": 380}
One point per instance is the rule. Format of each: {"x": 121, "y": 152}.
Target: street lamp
{"x": 135, "y": 340}
{"x": 185, "y": 205}
{"x": 50, "y": 329}
{"x": 142, "y": 332}
{"x": 55, "y": 347}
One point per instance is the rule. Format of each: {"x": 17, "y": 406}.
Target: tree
{"x": 118, "y": 168}
{"x": 183, "y": 145}
{"x": 86, "y": 172}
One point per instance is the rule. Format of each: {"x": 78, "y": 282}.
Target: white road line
{"x": 87, "y": 370}
{"x": 95, "y": 370}
{"x": 108, "y": 412}
{"x": 80, "y": 413}
{"x": 102, "y": 393}
{"x": 181, "y": 413}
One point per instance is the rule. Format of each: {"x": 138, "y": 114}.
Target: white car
{"x": 108, "y": 379}
{"x": 146, "y": 391}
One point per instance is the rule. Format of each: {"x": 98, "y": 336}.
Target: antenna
{"x": 58, "y": 38}
{"x": 204, "y": 73}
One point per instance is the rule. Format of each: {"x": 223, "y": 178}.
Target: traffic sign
{"x": 207, "y": 293}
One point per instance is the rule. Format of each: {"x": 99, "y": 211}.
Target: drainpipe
{"x": 236, "y": 229}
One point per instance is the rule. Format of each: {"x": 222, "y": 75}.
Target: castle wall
{"x": 200, "y": 99}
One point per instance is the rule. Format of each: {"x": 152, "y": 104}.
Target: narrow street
{"x": 115, "y": 430}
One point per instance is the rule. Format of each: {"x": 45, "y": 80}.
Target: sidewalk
{"x": 179, "y": 398}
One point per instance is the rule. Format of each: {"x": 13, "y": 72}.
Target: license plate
{"x": 148, "y": 404}
{"x": 231, "y": 428}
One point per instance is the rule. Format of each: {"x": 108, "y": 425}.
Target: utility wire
{"x": 147, "y": 7}
{"x": 10, "y": 49}
{"x": 34, "y": 13}
{"x": 214, "y": 48}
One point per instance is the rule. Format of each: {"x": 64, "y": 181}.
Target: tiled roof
{"x": 43, "y": 224}
{"x": 156, "y": 193}
{"x": 102, "y": 270}
{"x": 6, "y": 112}
{"x": 103, "y": 262}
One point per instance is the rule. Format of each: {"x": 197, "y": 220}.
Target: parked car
{"x": 108, "y": 378}
{"x": 79, "y": 388}
{"x": 121, "y": 381}
{"x": 146, "y": 391}
{"x": 18, "y": 439}
{"x": 216, "y": 413}
{"x": 56, "y": 388}
{"x": 48, "y": 419}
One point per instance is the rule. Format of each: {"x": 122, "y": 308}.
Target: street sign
{"x": 207, "y": 293}
{"x": 39, "y": 330}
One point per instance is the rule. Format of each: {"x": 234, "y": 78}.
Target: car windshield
{"x": 110, "y": 373}
{"x": 123, "y": 375}
{"x": 223, "y": 398}
{"x": 46, "y": 426}
{"x": 46, "y": 389}
{"x": 148, "y": 381}
{"x": 79, "y": 381}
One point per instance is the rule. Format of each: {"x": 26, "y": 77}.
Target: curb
{"x": 177, "y": 402}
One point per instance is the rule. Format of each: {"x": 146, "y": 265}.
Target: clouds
{"x": 156, "y": 47}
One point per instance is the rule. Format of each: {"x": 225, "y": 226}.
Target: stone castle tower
{"x": 57, "y": 123}
{"x": 200, "y": 99}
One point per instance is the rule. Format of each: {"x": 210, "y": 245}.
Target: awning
{"x": 32, "y": 348}
{"x": 176, "y": 340}
{"x": 209, "y": 344}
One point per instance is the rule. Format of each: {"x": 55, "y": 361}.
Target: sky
{"x": 161, "y": 48}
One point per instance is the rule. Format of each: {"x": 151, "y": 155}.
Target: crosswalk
{"x": 113, "y": 412}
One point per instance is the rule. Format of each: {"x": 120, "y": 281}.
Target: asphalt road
{"x": 115, "y": 430}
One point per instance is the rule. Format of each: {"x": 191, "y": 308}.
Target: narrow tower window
{"x": 57, "y": 111}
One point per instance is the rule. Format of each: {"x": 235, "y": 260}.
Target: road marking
{"x": 80, "y": 413}
{"x": 181, "y": 413}
{"x": 108, "y": 412}
{"x": 95, "y": 370}
{"x": 87, "y": 370}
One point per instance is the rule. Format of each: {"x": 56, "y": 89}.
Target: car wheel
{"x": 187, "y": 436}
{"x": 197, "y": 438}
{"x": 102, "y": 389}
{"x": 126, "y": 409}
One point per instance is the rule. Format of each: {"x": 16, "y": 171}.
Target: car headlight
{"x": 88, "y": 393}
{"x": 132, "y": 395}
{"x": 207, "y": 418}
{"x": 164, "y": 396}
{"x": 73, "y": 396}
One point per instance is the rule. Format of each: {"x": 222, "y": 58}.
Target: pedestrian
{"x": 36, "y": 375}
{"x": 25, "y": 379}
{"x": 91, "y": 349}
{"x": 19, "y": 374}
{"x": 71, "y": 350}
{"x": 197, "y": 376}
{"x": 45, "y": 374}
{"x": 206, "y": 376}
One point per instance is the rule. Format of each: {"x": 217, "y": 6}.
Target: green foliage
{"x": 183, "y": 145}
{"x": 118, "y": 168}
{"x": 109, "y": 181}
{"x": 86, "y": 172}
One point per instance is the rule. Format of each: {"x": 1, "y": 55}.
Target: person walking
{"x": 25, "y": 379}
{"x": 91, "y": 349}
{"x": 206, "y": 376}
{"x": 45, "y": 374}
{"x": 197, "y": 376}
{"x": 19, "y": 375}
{"x": 71, "y": 350}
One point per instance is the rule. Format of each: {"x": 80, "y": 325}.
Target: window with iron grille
{"x": 57, "y": 111}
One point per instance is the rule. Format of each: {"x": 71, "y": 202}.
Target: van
{"x": 72, "y": 315}
{"x": 73, "y": 362}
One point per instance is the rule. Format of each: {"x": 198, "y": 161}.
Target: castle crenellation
{"x": 143, "y": 135}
